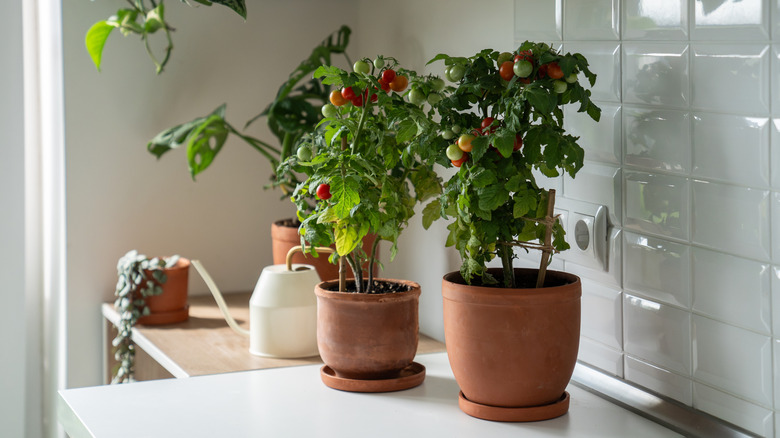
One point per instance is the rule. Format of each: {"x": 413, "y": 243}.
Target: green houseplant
{"x": 508, "y": 109}
{"x": 370, "y": 166}
{"x": 148, "y": 291}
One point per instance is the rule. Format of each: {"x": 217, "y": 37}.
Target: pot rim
{"x": 462, "y": 292}
{"x": 414, "y": 291}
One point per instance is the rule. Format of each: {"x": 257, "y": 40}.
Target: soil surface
{"x": 289, "y": 222}
{"x": 380, "y": 287}
{"x": 527, "y": 281}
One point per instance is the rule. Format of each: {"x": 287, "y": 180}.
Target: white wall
{"x": 119, "y": 197}
{"x": 13, "y": 360}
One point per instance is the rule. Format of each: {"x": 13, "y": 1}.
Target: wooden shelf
{"x": 205, "y": 344}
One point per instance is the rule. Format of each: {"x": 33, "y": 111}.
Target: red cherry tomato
{"x": 518, "y": 142}
{"x": 323, "y": 191}
{"x": 399, "y": 83}
{"x": 385, "y": 85}
{"x": 348, "y": 93}
{"x": 554, "y": 70}
{"x": 388, "y": 75}
{"x": 525, "y": 55}
{"x": 487, "y": 122}
{"x": 507, "y": 70}
{"x": 358, "y": 100}
{"x": 543, "y": 70}
{"x": 458, "y": 163}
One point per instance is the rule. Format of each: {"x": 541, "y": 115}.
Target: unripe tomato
{"x": 560, "y": 86}
{"x": 323, "y": 191}
{"x": 464, "y": 142}
{"x": 456, "y": 72}
{"x": 336, "y": 98}
{"x": 437, "y": 84}
{"x": 434, "y": 98}
{"x": 454, "y": 153}
{"x": 388, "y": 75}
{"x": 458, "y": 163}
{"x": 348, "y": 93}
{"x": 379, "y": 62}
{"x": 572, "y": 78}
{"x": 329, "y": 110}
{"x": 503, "y": 57}
{"x": 399, "y": 83}
{"x": 523, "y": 68}
{"x": 304, "y": 153}
{"x": 361, "y": 67}
{"x": 506, "y": 71}
{"x": 447, "y": 134}
{"x": 456, "y": 129}
{"x": 554, "y": 71}
{"x": 416, "y": 96}
{"x": 518, "y": 142}
{"x": 448, "y": 74}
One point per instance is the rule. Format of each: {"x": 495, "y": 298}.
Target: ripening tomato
{"x": 388, "y": 75}
{"x": 336, "y": 98}
{"x": 323, "y": 191}
{"x": 554, "y": 71}
{"x": 458, "y": 163}
{"x": 506, "y": 71}
{"x": 399, "y": 83}
{"x": 518, "y": 142}
{"x": 464, "y": 142}
{"x": 454, "y": 153}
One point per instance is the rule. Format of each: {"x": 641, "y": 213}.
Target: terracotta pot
{"x": 513, "y": 348}
{"x": 170, "y": 306}
{"x": 285, "y": 237}
{"x": 367, "y": 337}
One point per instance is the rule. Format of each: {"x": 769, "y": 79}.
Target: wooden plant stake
{"x": 549, "y": 220}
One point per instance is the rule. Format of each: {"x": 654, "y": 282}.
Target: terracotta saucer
{"x": 531, "y": 413}
{"x": 411, "y": 376}
{"x": 160, "y": 318}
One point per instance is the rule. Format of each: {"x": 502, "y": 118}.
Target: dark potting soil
{"x": 289, "y": 222}
{"x": 522, "y": 281}
{"x": 379, "y": 287}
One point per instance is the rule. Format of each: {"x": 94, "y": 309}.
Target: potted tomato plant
{"x": 512, "y": 334}
{"x": 371, "y": 164}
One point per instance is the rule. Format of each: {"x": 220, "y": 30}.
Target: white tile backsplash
{"x": 731, "y": 78}
{"x": 719, "y": 360}
{"x": 715, "y": 156}
{"x": 656, "y": 74}
{"x": 730, "y": 218}
{"x": 602, "y": 314}
{"x": 687, "y": 161}
{"x": 732, "y": 289}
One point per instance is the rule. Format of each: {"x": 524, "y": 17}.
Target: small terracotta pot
{"x": 170, "y": 306}
{"x": 283, "y": 238}
{"x": 367, "y": 337}
{"x": 513, "y": 348}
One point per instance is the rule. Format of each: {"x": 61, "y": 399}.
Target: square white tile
{"x": 775, "y": 286}
{"x": 657, "y": 204}
{"x": 776, "y": 349}
{"x": 731, "y": 20}
{"x": 752, "y": 417}
{"x": 613, "y": 276}
{"x": 732, "y": 289}
{"x": 601, "y": 141}
{"x": 774, "y": 135}
{"x": 730, "y": 218}
{"x": 591, "y": 20}
{"x": 655, "y": 19}
{"x": 657, "y": 139}
{"x": 603, "y": 60}
{"x": 657, "y": 269}
{"x": 659, "y": 380}
{"x": 538, "y": 20}
{"x": 657, "y": 333}
{"x": 775, "y": 81}
{"x": 600, "y": 356}
{"x": 598, "y": 184}
{"x": 775, "y": 200}
{"x": 731, "y": 148}
{"x": 733, "y": 359}
{"x": 656, "y": 74}
{"x": 730, "y": 78}
{"x": 602, "y": 314}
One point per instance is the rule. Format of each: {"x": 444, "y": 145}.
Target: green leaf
{"x": 483, "y": 177}
{"x": 346, "y": 239}
{"x": 96, "y": 40}
{"x": 541, "y": 99}
{"x": 515, "y": 183}
{"x": 431, "y": 212}
{"x": 492, "y": 197}
{"x": 345, "y": 196}
{"x": 205, "y": 142}
{"x": 524, "y": 202}
{"x": 407, "y": 130}
{"x": 237, "y": 5}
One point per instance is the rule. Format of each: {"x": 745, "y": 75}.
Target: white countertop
{"x": 293, "y": 402}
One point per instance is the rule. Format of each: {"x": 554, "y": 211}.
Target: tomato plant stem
{"x": 547, "y": 238}
{"x": 505, "y": 252}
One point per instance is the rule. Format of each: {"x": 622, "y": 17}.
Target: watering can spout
{"x": 219, "y": 299}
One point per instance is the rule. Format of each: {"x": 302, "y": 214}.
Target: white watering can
{"x": 282, "y": 309}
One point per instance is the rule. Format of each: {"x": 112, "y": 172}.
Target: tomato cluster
{"x": 388, "y": 80}
{"x": 522, "y": 64}
{"x": 458, "y": 153}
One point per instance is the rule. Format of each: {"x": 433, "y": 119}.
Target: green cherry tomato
{"x": 379, "y": 62}
{"x": 361, "y": 67}
{"x": 454, "y": 153}
{"x": 523, "y": 68}
{"x": 437, "y": 84}
{"x": 456, "y": 129}
{"x": 329, "y": 110}
{"x": 560, "y": 86}
{"x": 434, "y": 98}
{"x": 416, "y": 96}
{"x": 447, "y": 134}
{"x": 448, "y": 74}
{"x": 572, "y": 78}
{"x": 304, "y": 153}
{"x": 456, "y": 72}
{"x": 503, "y": 57}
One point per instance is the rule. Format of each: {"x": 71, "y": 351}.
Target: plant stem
{"x": 342, "y": 261}
{"x": 547, "y": 238}
{"x": 505, "y": 252}
{"x": 371, "y": 259}
{"x": 286, "y": 146}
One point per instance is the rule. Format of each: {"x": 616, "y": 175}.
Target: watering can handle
{"x": 299, "y": 248}
{"x": 218, "y": 297}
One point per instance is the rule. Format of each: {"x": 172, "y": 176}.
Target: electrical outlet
{"x": 587, "y": 232}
